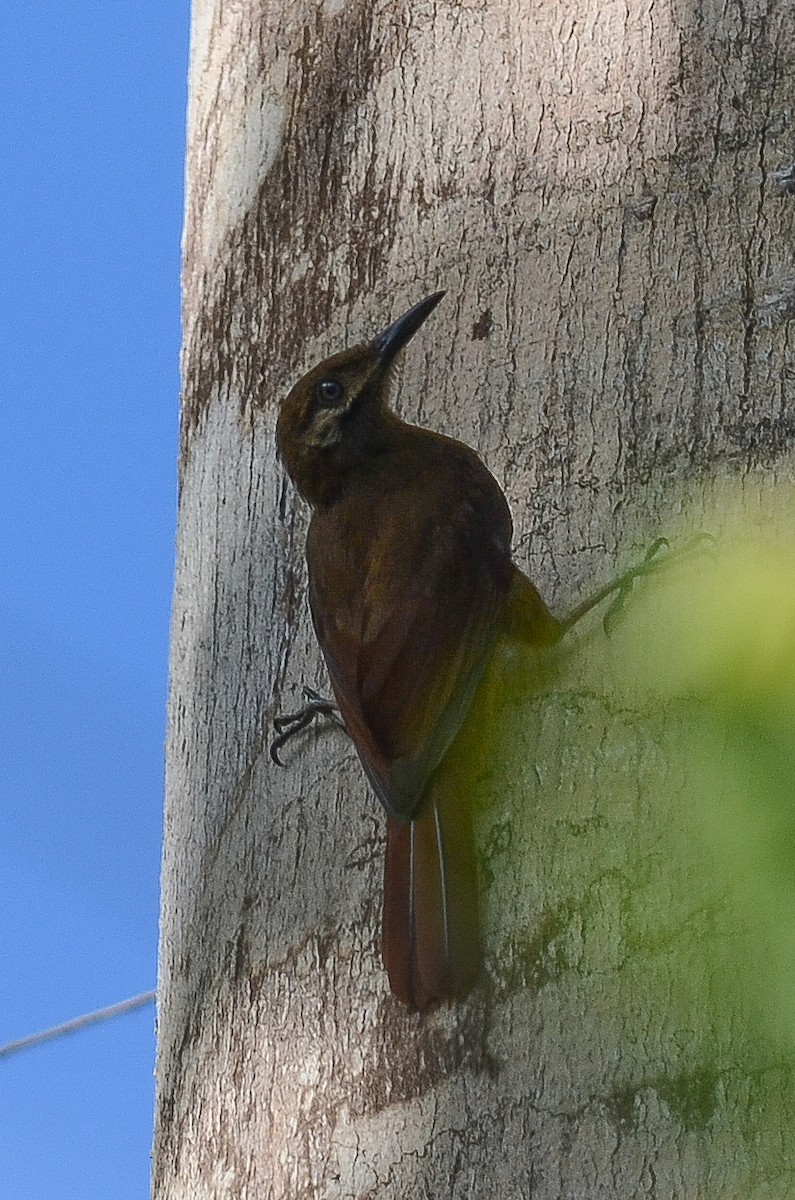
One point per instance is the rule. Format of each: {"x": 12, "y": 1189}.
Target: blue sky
{"x": 91, "y": 135}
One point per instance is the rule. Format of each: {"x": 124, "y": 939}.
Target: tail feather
{"x": 431, "y": 941}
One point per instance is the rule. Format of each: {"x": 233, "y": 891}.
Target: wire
{"x": 92, "y": 1018}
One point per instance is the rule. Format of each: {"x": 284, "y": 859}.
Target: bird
{"x": 412, "y": 588}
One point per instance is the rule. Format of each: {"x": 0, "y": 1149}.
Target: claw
{"x": 622, "y": 586}
{"x": 292, "y": 723}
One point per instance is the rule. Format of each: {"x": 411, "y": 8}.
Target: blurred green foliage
{"x": 712, "y": 642}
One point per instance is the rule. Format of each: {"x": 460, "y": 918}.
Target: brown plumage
{"x": 411, "y": 583}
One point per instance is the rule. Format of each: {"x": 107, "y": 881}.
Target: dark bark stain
{"x": 305, "y": 206}
{"x": 764, "y": 440}
{"x": 482, "y": 327}
{"x": 189, "y": 1032}
{"x": 692, "y": 1099}
{"x": 414, "y": 1054}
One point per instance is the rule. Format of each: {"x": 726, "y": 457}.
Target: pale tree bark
{"x": 596, "y": 190}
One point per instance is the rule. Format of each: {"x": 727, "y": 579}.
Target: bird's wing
{"x": 408, "y": 645}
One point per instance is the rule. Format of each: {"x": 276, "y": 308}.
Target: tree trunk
{"x": 597, "y": 194}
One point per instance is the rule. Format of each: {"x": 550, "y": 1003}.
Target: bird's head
{"x": 337, "y": 414}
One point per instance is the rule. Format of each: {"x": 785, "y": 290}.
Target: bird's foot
{"x": 291, "y": 723}
{"x": 658, "y": 557}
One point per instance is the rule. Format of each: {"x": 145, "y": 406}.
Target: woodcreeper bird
{"x": 411, "y": 584}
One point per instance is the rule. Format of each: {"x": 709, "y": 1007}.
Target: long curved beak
{"x": 393, "y": 339}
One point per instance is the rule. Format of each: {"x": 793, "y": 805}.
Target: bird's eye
{"x": 330, "y": 391}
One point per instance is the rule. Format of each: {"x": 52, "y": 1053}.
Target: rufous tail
{"x": 431, "y": 936}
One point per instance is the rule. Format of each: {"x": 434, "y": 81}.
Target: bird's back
{"x": 409, "y": 571}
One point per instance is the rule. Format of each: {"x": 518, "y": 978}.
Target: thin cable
{"x": 92, "y": 1018}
